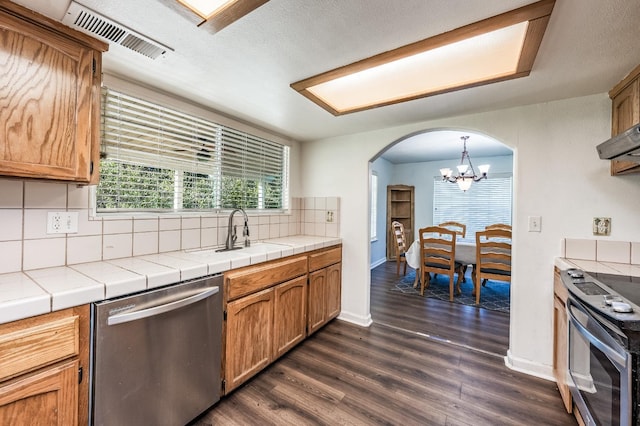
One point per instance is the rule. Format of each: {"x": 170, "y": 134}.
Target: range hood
{"x": 624, "y": 147}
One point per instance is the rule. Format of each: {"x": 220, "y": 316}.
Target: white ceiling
{"x": 245, "y": 70}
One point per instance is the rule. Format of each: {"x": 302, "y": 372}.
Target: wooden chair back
{"x": 459, "y": 228}
{"x": 499, "y": 226}
{"x": 438, "y": 256}
{"x": 397, "y": 230}
{"x": 493, "y": 257}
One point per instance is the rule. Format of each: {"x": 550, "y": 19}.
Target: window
{"x": 374, "y": 206}
{"x": 486, "y": 202}
{"x": 157, "y": 158}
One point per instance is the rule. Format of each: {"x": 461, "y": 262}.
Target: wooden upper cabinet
{"x": 50, "y": 79}
{"x": 625, "y": 97}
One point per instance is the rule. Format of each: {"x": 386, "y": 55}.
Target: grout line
{"x": 440, "y": 340}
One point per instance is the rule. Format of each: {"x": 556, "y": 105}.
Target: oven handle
{"x": 617, "y": 356}
{"x": 160, "y": 309}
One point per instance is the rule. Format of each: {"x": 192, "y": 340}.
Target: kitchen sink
{"x": 254, "y": 248}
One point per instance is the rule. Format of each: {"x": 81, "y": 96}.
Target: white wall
{"x": 558, "y": 176}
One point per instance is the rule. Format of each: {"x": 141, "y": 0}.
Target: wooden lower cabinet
{"x": 41, "y": 359}
{"x": 290, "y": 315}
{"x": 263, "y": 326}
{"x": 324, "y": 296}
{"x": 249, "y": 337}
{"x": 272, "y": 307}
{"x": 560, "y": 341}
{"x": 48, "y": 397}
{"x": 325, "y": 288}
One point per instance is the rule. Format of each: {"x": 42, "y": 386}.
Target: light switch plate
{"x": 535, "y": 223}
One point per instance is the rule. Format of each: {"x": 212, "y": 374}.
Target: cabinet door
{"x": 333, "y": 291}
{"x": 249, "y": 337}
{"x": 46, "y": 103}
{"x": 290, "y": 315}
{"x": 560, "y": 340}
{"x": 49, "y": 396}
{"x": 317, "y": 299}
{"x": 625, "y": 113}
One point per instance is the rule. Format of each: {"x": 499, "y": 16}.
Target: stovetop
{"x": 615, "y": 297}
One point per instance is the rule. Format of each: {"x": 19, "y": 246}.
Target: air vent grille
{"x": 88, "y": 21}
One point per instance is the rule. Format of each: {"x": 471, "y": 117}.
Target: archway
{"x": 415, "y": 161}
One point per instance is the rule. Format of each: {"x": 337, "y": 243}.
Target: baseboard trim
{"x": 378, "y": 263}
{"x": 525, "y": 366}
{"x": 356, "y": 319}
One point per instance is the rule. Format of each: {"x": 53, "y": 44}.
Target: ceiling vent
{"x": 90, "y": 22}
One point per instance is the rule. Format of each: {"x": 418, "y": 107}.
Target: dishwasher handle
{"x": 160, "y": 309}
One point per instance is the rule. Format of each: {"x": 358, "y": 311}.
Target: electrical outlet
{"x": 329, "y": 215}
{"x": 62, "y": 222}
{"x": 535, "y": 223}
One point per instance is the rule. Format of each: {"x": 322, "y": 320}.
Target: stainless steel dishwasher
{"x": 156, "y": 355}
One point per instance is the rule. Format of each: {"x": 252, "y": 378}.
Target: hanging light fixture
{"x": 466, "y": 173}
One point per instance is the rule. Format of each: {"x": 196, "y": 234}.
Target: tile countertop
{"x": 598, "y": 266}
{"x": 39, "y": 291}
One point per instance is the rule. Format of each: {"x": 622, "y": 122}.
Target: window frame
{"x": 163, "y": 101}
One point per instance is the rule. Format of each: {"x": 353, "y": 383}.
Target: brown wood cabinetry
{"x": 400, "y": 207}
{"x": 265, "y": 316}
{"x": 41, "y": 360}
{"x": 560, "y": 339}
{"x": 625, "y": 98}
{"x": 273, "y": 306}
{"x": 49, "y": 98}
{"x": 325, "y": 285}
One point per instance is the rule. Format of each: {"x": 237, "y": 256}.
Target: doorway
{"x": 416, "y": 160}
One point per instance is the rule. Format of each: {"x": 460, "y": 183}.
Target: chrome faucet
{"x": 232, "y": 235}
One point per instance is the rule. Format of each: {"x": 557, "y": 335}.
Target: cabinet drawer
{"x": 241, "y": 282}
{"x": 324, "y": 258}
{"x": 29, "y": 344}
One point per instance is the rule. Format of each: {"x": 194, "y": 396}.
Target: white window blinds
{"x": 158, "y": 158}
{"x": 486, "y": 202}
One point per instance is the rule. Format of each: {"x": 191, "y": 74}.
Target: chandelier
{"x": 466, "y": 173}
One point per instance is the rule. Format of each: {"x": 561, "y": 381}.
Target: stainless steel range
{"x": 604, "y": 346}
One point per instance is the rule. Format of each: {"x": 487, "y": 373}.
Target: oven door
{"x": 599, "y": 369}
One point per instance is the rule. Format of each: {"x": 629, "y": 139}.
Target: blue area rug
{"x": 495, "y": 295}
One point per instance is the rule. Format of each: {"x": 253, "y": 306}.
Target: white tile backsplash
{"x": 44, "y": 195}
{"x": 11, "y": 191}
{"x": 78, "y": 197}
{"x": 168, "y": 241}
{"x": 613, "y": 251}
{"x": 24, "y": 241}
{"x": 84, "y": 249}
{"x": 11, "y": 255}
{"x": 10, "y": 224}
{"x": 44, "y": 253}
{"x": 145, "y": 243}
{"x": 116, "y": 246}
{"x": 580, "y": 249}
{"x": 117, "y": 226}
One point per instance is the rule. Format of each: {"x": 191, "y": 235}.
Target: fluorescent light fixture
{"x": 218, "y": 14}
{"x": 495, "y": 49}
{"x": 206, "y": 8}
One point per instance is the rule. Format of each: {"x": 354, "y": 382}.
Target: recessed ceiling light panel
{"x": 495, "y": 49}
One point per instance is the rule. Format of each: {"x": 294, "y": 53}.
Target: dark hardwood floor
{"x": 422, "y": 362}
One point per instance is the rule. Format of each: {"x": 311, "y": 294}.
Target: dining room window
{"x": 374, "y": 207}
{"x": 155, "y": 158}
{"x": 486, "y": 202}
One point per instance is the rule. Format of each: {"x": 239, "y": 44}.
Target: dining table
{"x": 465, "y": 254}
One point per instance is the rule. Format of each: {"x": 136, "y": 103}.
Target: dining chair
{"x": 499, "y": 226}
{"x": 493, "y": 258}
{"x": 459, "y": 228}
{"x": 397, "y": 230}
{"x": 438, "y": 256}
